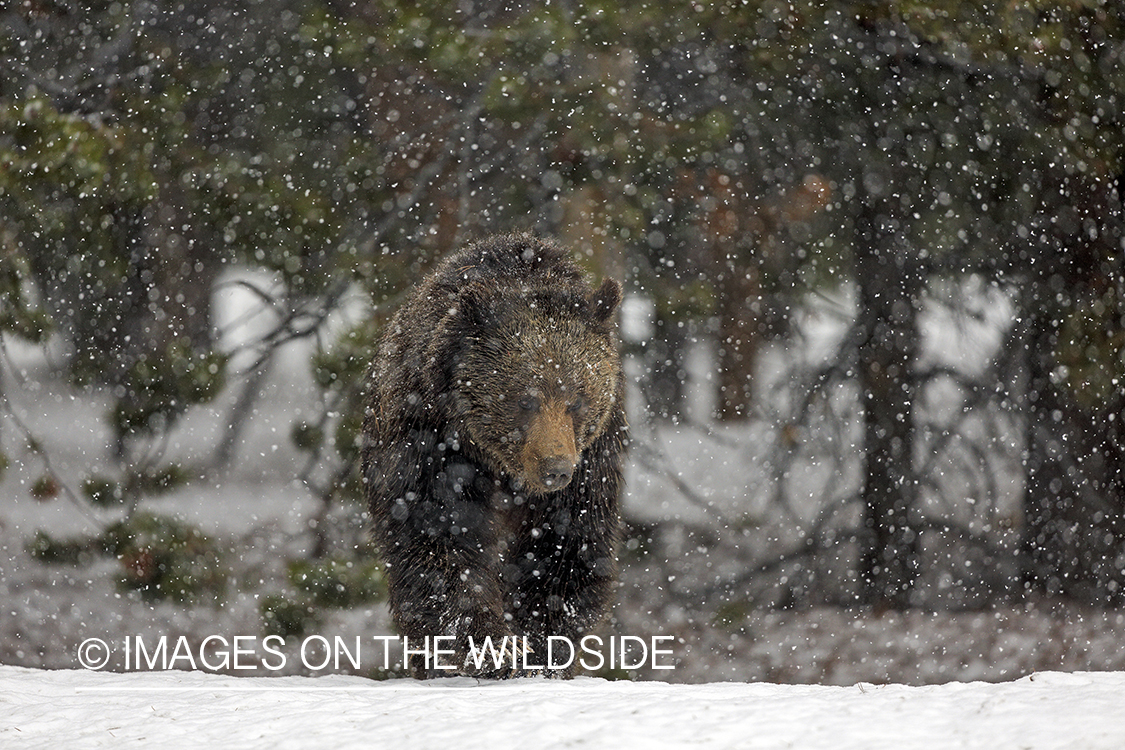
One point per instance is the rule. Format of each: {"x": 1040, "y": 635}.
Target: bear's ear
{"x": 477, "y": 306}
{"x": 605, "y": 300}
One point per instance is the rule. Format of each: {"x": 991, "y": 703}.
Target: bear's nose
{"x": 555, "y": 472}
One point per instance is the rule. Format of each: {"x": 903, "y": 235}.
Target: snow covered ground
{"x": 76, "y": 709}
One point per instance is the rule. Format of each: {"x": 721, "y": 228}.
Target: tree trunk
{"x": 888, "y": 290}
{"x": 665, "y": 357}
{"x": 1073, "y": 539}
{"x": 1046, "y": 492}
{"x": 738, "y": 310}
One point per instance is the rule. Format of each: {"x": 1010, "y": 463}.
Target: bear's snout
{"x": 549, "y": 452}
{"x": 555, "y": 472}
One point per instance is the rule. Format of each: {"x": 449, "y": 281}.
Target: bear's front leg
{"x": 438, "y": 542}
{"x": 561, "y": 571}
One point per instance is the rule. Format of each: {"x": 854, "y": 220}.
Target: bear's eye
{"x": 529, "y": 403}
{"x": 576, "y": 406}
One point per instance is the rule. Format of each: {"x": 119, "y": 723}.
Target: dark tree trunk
{"x": 889, "y": 284}
{"x": 1073, "y": 539}
{"x": 738, "y": 309}
{"x": 665, "y": 355}
{"x": 1047, "y": 494}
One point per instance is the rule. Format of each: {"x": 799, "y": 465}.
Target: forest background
{"x": 871, "y": 250}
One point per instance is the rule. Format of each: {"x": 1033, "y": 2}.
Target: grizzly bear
{"x": 494, "y": 435}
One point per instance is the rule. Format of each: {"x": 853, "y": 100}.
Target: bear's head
{"x": 536, "y": 379}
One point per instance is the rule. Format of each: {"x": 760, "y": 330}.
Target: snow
{"x": 79, "y": 709}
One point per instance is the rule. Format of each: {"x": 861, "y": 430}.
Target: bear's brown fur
{"x": 493, "y": 440}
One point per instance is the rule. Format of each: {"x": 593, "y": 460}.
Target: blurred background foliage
{"x": 728, "y": 160}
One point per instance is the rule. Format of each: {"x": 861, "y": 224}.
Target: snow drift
{"x": 79, "y": 709}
